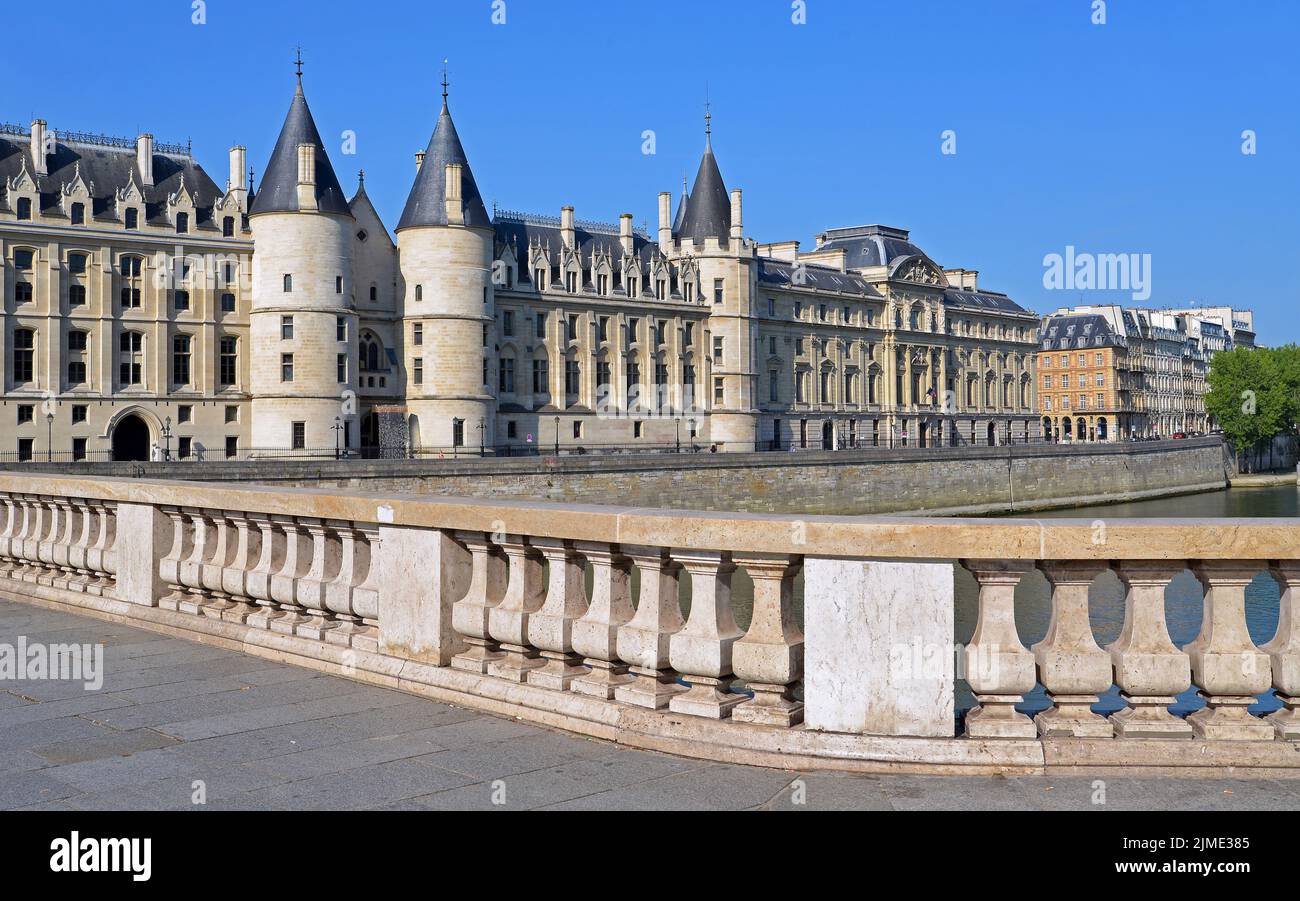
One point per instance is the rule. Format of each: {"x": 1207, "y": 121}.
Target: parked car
{"x": 1177, "y": 435}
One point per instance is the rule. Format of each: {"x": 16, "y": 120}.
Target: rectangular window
{"x": 572, "y": 377}
{"x": 299, "y": 433}
{"x": 659, "y": 331}
{"x": 24, "y": 450}
{"x": 286, "y": 367}
{"x": 602, "y": 329}
{"x": 540, "y": 325}
{"x": 772, "y": 385}
{"x": 572, "y": 332}
{"x": 798, "y": 309}
{"x": 512, "y": 429}
{"x": 181, "y": 301}
{"x": 184, "y": 445}
{"x": 417, "y": 334}
{"x": 22, "y": 292}
{"x": 541, "y": 377}
{"x": 458, "y": 433}
{"x": 78, "y": 448}
{"x": 181, "y": 360}
{"x": 717, "y": 349}
{"x": 338, "y": 284}
{"x": 688, "y": 334}
{"x": 771, "y": 307}
{"x": 717, "y": 290}
{"x": 77, "y": 263}
{"x": 636, "y": 428}
{"x": 25, "y": 412}
{"x": 602, "y": 374}
{"x": 76, "y": 295}
{"x": 184, "y": 413}
{"x": 286, "y": 328}
{"x": 417, "y": 370}
{"x": 632, "y": 326}
{"x": 341, "y": 368}
{"x": 506, "y": 376}
{"x": 577, "y": 428}
{"x": 23, "y": 260}
{"x": 78, "y": 413}
{"x": 232, "y": 414}
{"x": 341, "y": 328}
{"x": 227, "y": 302}
{"x": 232, "y": 447}
{"x": 229, "y": 362}
{"x": 508, "y": 324}
{"x": 717, "y": 391}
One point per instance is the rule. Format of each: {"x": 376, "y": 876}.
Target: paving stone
{"x": 117, "y": 744}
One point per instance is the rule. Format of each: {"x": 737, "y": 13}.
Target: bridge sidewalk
{"x": 174, "y": 718}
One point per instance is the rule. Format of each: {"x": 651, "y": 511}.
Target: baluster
{"x": 284, "y": 583}
{"x": 169, "y": 569}
{"x": 50, "y": 526}
{"x": 998, "y": 667}
{"x": 365, "y": 597}
{"x": 270, "y": 560}
{"x": 1226, "y": 665}
{"x": 770, "y": 657}
{"x": 61, "y": 544}
{"x": 644, "y": 640}
{"x": 192, "y": 567}
{"x": 1071, "y": 666}
{"x": 508, "y": 621}
{"x": 81, "y": 546}
{"x": 595, "y": 635}
{"x": 325, "y": 562}
{"x": 102, "y": 556}
{"x": 338, "y": 593}
{"x": 234, "y": 576}
{"x": 25, "y": 546}
{"x": 1149, "y": 669}
{"x": 1284, "y": 652}
{"x": 9, "y": 511}
{"x": 469, "y": 615}
{"x": 550, "y": 629}
{"x": 701, "y": 651}
{"x": 213, "y": 570}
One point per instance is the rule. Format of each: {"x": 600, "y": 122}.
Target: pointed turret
{"x": 427, "y": 203}
{"x": 281, "y": 178}
{"x": 708, "y": 209}
{"x": 680, "y": 218}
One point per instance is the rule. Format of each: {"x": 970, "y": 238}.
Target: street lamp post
{"x": 337, "y": 428}
{"x": 679, "y": 434}
{"x": 557, "y": 436}
{"x": 49, "y": 427}
{"x": 167, "y": 439}
{"x": 481, "y": 452}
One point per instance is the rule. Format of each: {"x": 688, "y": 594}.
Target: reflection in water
{"x": 1183, "y": 597}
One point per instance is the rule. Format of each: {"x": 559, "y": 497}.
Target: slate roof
{"x": 869, "y": 245}
{"x": 1079, "y": 331}
{"x": 708, "y": 209}
{"x": 426, "y": 204}
{"x": 520, "y": 233}
{"x": 983, "y": 300}
{"x": 278, "y": 192}
{"x": 105, "y": 168}
{"x": 681, "y": 210}
{"x": 780, "y": 273}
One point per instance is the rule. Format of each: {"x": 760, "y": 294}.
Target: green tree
{"x": 1254, "y": 394}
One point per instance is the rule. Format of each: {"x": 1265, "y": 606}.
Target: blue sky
{"x": 1123, "y": 137}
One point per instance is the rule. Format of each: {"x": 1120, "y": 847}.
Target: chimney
{"x": 144, "y": 159}
{"x": 455, "y": 209}
{"x": 737, "y": 231}
{"x": 665, "y": 221}
{"x": 39, "y": 137}
{"x": 567, "y": 232}
{"x": 238, "y": 166}
{"x": 625, "y": 233}
{"x": 307, "y": 176}
{"x": 419, "y": 160}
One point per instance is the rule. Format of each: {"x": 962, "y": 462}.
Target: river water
{"x": 1183, "y": 597}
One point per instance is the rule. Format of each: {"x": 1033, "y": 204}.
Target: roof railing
{"x": 99, "y": 140}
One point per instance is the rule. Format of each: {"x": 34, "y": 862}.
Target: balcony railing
{"x": 574, "y": 616}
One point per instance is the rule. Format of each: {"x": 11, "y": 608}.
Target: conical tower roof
{"x": 278, "y": 192}
{"x": 426, "y": 204}
{"x": 681, "y": 209}
{"x": 708, "y": 209}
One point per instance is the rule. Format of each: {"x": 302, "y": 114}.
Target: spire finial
{"x": 708, "y": 117}
{"x": 361, "y": 177}
{"x": 444, "y": 84}
{"x": 297, "y": 64}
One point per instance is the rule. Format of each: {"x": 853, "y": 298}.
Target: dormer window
{"x": 182, "y": 223}
{"x": 228, "y": 227}
{"x": 132, "y": 218}
{"x": 24, "y": 208}
{"x": 78, "y": 214}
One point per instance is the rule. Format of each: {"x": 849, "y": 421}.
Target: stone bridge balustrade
{"x": 483, "y": 603}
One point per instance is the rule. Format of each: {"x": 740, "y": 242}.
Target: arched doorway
{"x": 131, "y": 439}
{"x": 993, "y": 434}
{"x": 922, "y": 434}
{"x": 1081, "y": 431}
{"x": 828, "y": 435}
{"x": 1102, "y": 434}
{"x": 1067, "y": 428}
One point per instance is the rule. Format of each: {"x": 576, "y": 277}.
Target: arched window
{"x": 371, "y": 356}
{"x": 288, "y": 283}
{"x": 78, "y": 214}
{"x": 419, "y": 292}
{"x": 24, "y": 208}
{"x": 132, "y": 218}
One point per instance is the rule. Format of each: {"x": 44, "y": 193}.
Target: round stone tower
{"x": 445, "y": 245}
{"x": 302, "y": 325}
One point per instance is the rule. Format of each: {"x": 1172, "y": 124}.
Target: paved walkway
{"x": 259, "y": 735}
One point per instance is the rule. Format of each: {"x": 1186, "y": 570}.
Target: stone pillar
{"x": 770, "y": 656}
{"x": 644, "y": 640}
{"x": 550, "y": 629}
{"x": 1073, "y": 669}
{"x": 879, "y": 647}
{"x": 1226, "y": 665}
{"x": 701, "y": 651}
{"x": 1284, "y": 652}
{"x": 508, "y": 621}
{"x": 139, "y": 580}
{"x": 595, "y": 635}
{"x": 422, "y": 572}
{"x": 469, "y": 615}
{"x": 1149, "y": 670}
{"x": 998, "y": 667}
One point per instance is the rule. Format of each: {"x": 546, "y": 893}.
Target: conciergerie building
{"x": 147, "y": 309}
